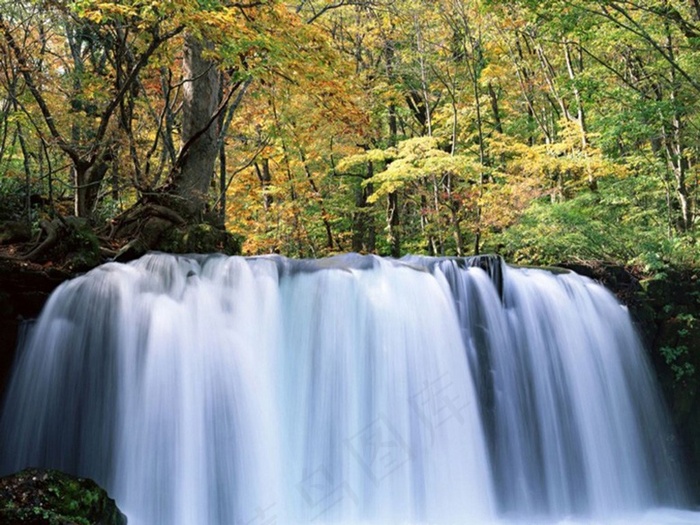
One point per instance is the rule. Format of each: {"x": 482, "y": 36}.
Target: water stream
{"x": 215, "y": 390}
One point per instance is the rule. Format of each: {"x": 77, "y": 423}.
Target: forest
{"x": 552, "y": 131}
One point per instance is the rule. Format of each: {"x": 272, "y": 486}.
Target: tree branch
{"x": 140, "y": 63}
{"x": 635, "y": 28}
{"x": 26, "y": 72}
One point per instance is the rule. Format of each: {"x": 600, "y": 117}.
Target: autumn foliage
{"x": 539, "y": 130}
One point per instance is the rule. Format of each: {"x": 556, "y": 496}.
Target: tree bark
{"x": 580, "y": 115}
{"x": 198, "y": 151}
{"x": 392, "y": 220}
{"x": 363, "y": 237}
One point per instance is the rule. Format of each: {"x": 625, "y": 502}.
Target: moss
{"x": 49, "y": 497}
{"x": 77, "y": 248}
{"x": 201, "y": 238}
{"x": 81, "y": 246}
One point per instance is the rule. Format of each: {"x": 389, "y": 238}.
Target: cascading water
{"x": 227, "y": 391}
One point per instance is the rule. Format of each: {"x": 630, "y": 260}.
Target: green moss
{"x": 201, "y": 238}
{"x": 49, "y": 497}
{"x": 81, "y": 246}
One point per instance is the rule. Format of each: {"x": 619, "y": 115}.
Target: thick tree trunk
{"x": 198, "y": 152}
{"x": 151, "y": 223}
{"x": 88, "y": 179}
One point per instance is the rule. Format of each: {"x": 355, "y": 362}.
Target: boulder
{"x": 50, "y": 497}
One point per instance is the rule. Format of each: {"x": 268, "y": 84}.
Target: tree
{"x": 365, "y": 125}
{"x": 89, "y": 146}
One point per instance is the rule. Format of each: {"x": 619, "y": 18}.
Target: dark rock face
{"x": 49, "y": 497}
{"x": 24, "y": 289}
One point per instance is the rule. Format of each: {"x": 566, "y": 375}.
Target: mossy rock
{"x": 50, "y": 497}
{"x": 80, "y": 246}
{"x": 201, "y": 238}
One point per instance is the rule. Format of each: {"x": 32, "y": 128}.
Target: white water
{"x": 231, "y": 391}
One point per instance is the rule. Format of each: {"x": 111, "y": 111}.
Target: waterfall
{"x": 218, "y": 390}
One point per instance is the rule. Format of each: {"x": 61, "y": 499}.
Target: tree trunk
{"x": 363, "y": 238}
{"x": 265, "y": 179}
{"x": 88, "y": 179}
{"x": 319, "y": 197}
{"x": 392, "y": 219}
{"x": 493, "y": 97}
{"x": 198, "y": 151}
{"x": 392, "y": 208}
{"x": 675, "y": 146}
{"x": 185, "y": 200}
{"x": 580, "y": 115}
{"x": 221, "y": 145}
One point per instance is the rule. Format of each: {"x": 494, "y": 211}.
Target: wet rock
{"x": 50, "y": 497}
{"x": 24, "y": 288}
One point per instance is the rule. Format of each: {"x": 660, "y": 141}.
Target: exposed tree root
{"x": 143, "y": 227}
{"x": 50, "y": 235}
{"x": 132, "y": 221}
{"x": 156, "y": 223}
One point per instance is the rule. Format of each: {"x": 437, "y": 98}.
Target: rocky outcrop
{"x": 50, "y": 497}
